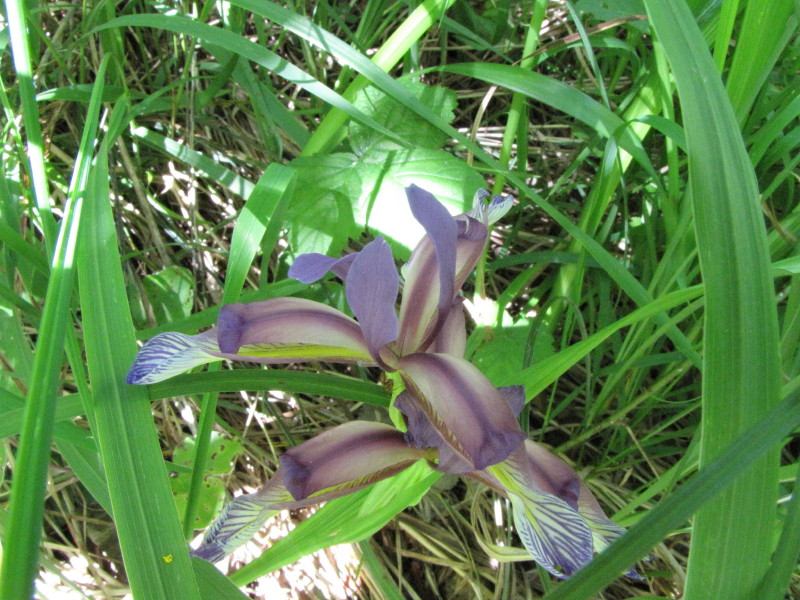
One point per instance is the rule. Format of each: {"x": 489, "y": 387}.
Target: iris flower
{"x": 455, "y": 418}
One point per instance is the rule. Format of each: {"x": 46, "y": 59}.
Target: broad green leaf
{"x": 211, "y": 496}
{"x": 153, "y": 549}
{"x": 320, "y": 212}
{"x": 407, "y": 124}
{"x": 501, "y": 356}
{"x": 382, "y": 205}
{"x": 732, "y": 538}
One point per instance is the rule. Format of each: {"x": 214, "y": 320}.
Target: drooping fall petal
{"x": 348, "y": 457}
{"x": 371, "y": 288}
{"x": 337, "y": 462}
{"x": 554, "y": 501}
{"x": 555, "y": 535}
{"x": 168, "y": 354}
{"x": 284, "y": 330}
{"x": 476, "y": 424}
{"x": 241, "y": 519}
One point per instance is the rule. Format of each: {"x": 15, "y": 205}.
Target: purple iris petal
{"x": 352, "y": 455}
{"x": 472, "y": 236}
{"x": 554, "y": 534}
{"x": 290, "y": 330}
{"x": 371, "y": 288}
{"x": 422, "y": 434}
{"x": 452, "y": 337}
{"x": 515, "y": 396}
{"x": 474, "y": 421}
{"x": 540, "y": 467}
{"x": 442, "y": 231}
{"x": 309, "y": 268}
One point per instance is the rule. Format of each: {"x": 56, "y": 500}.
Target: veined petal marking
{"x": 240, "y": 520}
{"x": 553, "y": 533}
{"x": 171, "y": 353}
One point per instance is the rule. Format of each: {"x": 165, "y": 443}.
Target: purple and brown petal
{"x": 284, "y": 330}
{"x": 475, "y": 422}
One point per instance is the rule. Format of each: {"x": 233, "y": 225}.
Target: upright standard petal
{"x": 311, "y": 267}
{"x": 168, "y": 354}
{"x": 452, "y": 337}
{"x": 472, "y": 236}
{"x": 429, "y": 287}
{"x": 476, "y": 425}
{"x": 283, "y": 330}
{"x": 371, "y": 288}
{"x": 337, "y": 462}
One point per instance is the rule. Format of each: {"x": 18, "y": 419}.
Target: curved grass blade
{"x": 251, "y": 51}
{"x": 732, "y": 537}
{"x": 294, "y": 382}
{"x": 543, "y": 373}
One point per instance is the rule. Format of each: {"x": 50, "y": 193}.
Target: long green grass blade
{"x": 26, "y": 505}
{"x": 733, "y": 536}
{"x": 155, "y": 554}
{"x": 17, "y": 14}
{"x": 787, "y": 553}
{"x": 295, "y": 382}
{"x": 766, "y": 29}
{"x": 213, "y": 584}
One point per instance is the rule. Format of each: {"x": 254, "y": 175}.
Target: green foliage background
{"x": 162, "y": 158}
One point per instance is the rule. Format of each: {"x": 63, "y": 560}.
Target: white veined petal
{"x": 239, "y": 521}
{"x": 554, "y": 534}
{"x": 171, "y": 353}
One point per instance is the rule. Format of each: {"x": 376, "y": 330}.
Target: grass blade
{"x": 155, "y": 554}
{"x": 26, "y": 505}
{"x": 733, "y": 536}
